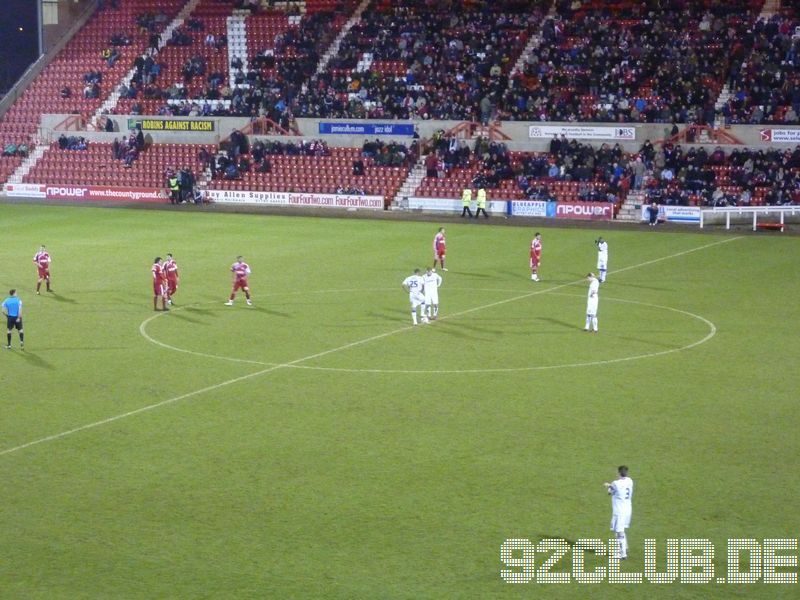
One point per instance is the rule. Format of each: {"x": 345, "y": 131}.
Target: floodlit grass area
{"x": 316, "y": 445}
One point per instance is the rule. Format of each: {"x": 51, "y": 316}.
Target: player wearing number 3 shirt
{"x": 240, "y": 270}
{"x": 621, "y": 492}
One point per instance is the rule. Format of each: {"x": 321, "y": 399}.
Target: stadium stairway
{"x": 770, "y": 8}
{"x": 337, "y": 42}
{"x": 629, "y": 212}
{"x": 534, "y": 42}
{"x": 28, "y": 164}
{"x": 111, "y": 101}
{"x": 409, "y": 186}
{"x": 237, "y": 39}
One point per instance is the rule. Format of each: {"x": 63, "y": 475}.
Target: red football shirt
{"x": 158, "y": 273}
{"x": 171, "y": 269}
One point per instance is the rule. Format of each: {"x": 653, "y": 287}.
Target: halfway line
{"x": 217, "y": 386}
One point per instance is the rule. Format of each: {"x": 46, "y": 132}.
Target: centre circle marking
{"x": 712, "y": 331}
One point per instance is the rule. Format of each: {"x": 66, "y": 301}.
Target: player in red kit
{"x": 171, "y": 271}
{"x": 536, "y": 256}
{"x": 42, "y": 260}
{"x": 159, "y": 284}
{"x": 439, "y": 248}
{"x": 241, "y": 270}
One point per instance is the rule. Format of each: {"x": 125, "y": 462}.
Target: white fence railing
{"x": 756, "y": 211}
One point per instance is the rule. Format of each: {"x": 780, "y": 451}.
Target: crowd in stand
{"x": 648, "y": 61}
{"x": 12, "y": 149}
{"x": 619, "y": 61}
{"x": 765, "y": 87}
{"x": 455, "y": 61}
{"x": 674, "y": 176}
{"x": 72, "y": 142}
{"x": 604, "y": 173}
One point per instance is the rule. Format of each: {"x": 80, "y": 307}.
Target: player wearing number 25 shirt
{"x": 159, "y": 284}
{"x": 241, "y": 271}
{"x": 621, "y": 492}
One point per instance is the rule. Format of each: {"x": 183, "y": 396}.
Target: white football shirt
{"x": 622, "y": 495}
{"x": 415, "y": 284}
{"x": 432, "y": 281}
{"x": 602, "y": 251}
{"x": 594, "y": 287}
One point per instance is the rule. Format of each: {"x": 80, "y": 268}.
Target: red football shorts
{"x": 159, "y": 289}
{"x": 44, "y": 272}
{"x": 240, "y": 284}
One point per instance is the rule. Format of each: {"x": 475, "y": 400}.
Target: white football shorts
{"x": 620, "y": 522}
{"x": 591, "y": 306}
{"x": 416, "y": 299}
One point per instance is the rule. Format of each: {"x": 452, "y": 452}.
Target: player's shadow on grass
{"x": 199, "y": 310}
{"x": 181, "y": 314}
{"x": 35, "y": 360}
{"x": 389, "y": 315}
{"x": 60, "y": 298}
{"x": 644, "y": 287}
{"x": 472, "y": 274}
{"x": 466, "y": 331}
{"x": 565, "y": 324}
{"x": 572, "y": 543}
{"x": 275, "y": 313}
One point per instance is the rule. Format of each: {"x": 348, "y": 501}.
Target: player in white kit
{"x": 621, "y": 492}
{"x": 591, "y": 303}
{"x": 432, "y": 282}
{"x": 602, "y": 258}
{"x": 415, "y": 286}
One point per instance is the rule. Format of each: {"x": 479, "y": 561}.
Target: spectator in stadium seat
{"x": 358, "y": 167}
{"x": 264, "y": 166}
{"x": 231, "y": 171}
{"x": 119, "y": 39}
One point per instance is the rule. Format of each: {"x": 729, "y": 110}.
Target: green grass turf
{"x": 387, "y": 471}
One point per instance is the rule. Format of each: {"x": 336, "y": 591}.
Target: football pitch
{"x": 316, "y": 445}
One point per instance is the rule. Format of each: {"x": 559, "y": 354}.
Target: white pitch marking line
{"x": 210, "y": 388}
{"x": 143, "y": 331}
{"x": 146, "y": 408}
{"x": 711, "y": 333}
